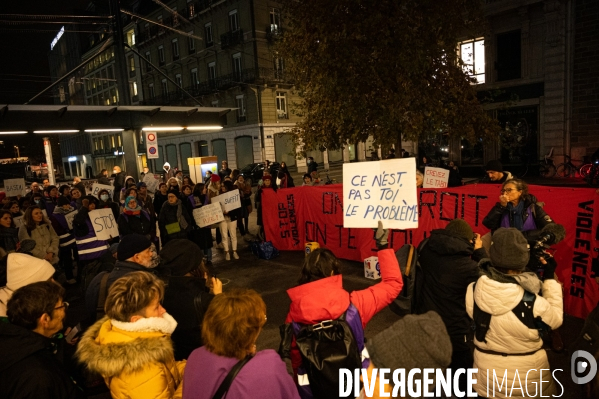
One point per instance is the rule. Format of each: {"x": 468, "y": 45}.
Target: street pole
{"x": 49, "y": 161}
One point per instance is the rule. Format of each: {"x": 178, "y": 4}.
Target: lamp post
{"x": 18, "y": 151}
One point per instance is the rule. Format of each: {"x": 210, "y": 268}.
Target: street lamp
{"x": 18, "y": 152}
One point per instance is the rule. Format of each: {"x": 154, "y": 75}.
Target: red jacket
{"x": 325, "y": 299}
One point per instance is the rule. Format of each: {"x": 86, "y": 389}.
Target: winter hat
{"x": 23, "y": 269}
{"x": 509, "y": 249}
{"x": 415, "y": 341}
{"x": 62, "y": 200}
{"x": 266, "y": 177}
{"x": 91, "y": 199}
{"x": 214, "y": 178}
{"x": 181, "y": 256}
{"x": 461, "y": 228}
{"x": 26, "y": 246}
{"x": 132, "y": 244}
{"x": 494, "y": 165}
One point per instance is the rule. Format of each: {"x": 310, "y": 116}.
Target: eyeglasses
{"x": 507, "y": 190}
{"x": 64, "y": 305}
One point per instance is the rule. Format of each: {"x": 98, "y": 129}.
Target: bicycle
{"x": 328, "y": 179}
{"x": 546, "y": 165}
{"x": 568, "y": 169}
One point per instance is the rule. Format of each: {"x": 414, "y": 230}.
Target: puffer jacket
{"x": 136, "y": 362}
{"x": 46, "y": 240}
{"x": 507, "y": 334}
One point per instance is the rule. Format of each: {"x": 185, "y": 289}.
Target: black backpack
{"x": 325, "y": 348}
{"x": 523, "y": 311}
{"x": 411, "y": 272}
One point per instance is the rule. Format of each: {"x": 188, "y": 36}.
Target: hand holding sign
{"x": 230, "y": 200}
{"x": 104, "y": 223}
{"x": 380, "y": 191}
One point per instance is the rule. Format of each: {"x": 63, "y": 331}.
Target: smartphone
{"x": 73, "y": 333}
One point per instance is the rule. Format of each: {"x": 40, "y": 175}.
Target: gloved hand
{"x": 381, "y": 235}
{"x": 549, "y": 265}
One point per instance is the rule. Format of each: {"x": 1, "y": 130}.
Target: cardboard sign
{"x": 18, "y": 221}
{"x": 208, "y": 215}
{"x": 435, "y": 177}
{"x": 229, "y": 200}
{"x": 96, "y": 188}
{"x": 382, "y": 190}
{"x": 69, "y": 218}
{"x": 14, "y": 187}
{"x": 104, "y": 223}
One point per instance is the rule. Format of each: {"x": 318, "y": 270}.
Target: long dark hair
{"x": 28, "y": 219}
{"x": 4, "y": 212}
{"x": 321, "y": 263}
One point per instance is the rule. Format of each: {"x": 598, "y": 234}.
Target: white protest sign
{"x": 18, "y": 221}
{"x": 208, "y": 214}
{"x": 96, "y": 188}
{"x": 230, "y": 200}
{"x": 383, "y": 190}
{"x": 14, "y": 187}
{"x": 69, "y": 218}
{"x": 435, "y": 177}
{"x": 104, "y": 223}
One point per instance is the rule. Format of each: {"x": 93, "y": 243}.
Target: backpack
{"x": 407, "y": 300}
{"x": 325, "y": 348}
{"x": 264, "y": 249}
{"x": 523, "y": 311}
{"x": 93, "y": 268}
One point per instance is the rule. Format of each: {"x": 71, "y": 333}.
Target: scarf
{"x": 132, "y": 211}
{"x": 180, "y": 218}
{"x": 516, "y": 213}
{"x": 527, "y": 280}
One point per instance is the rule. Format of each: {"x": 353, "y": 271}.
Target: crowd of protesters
{"x": 158, "y": 324}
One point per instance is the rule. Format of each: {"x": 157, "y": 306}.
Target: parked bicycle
{"x": 328, "y": 180}
{"x": 568, "y": 169}
{"x": 546, "y": 165}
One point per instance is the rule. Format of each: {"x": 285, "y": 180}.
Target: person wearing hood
{"x": 519, "y": 209}
{"x": 188, "y": 292}
{"x": 509, "y": 345}
{"x": 119, "y": 183}
{"x": 174, "y": 221}
{"x": 168, "y": 172}
{"x": 134, "y": 220}
{"x": 67, "y": 247}
{"x": 129, "y": 182}
{"x": 31, "y": 366}
{"x": 36, "y": 227}
{"x": 320, "y": 296}
{"x": 131, "y": 347}
{"x": 21, "y": 270}
{"x": 107, "y": 203}
{"x": 449, "y": 263}
{"x": 285, "y": 170}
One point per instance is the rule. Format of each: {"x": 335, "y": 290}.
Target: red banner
{"x": 298, "y": 215}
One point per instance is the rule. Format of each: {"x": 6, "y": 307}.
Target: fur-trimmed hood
{"x": 112, "y": 351}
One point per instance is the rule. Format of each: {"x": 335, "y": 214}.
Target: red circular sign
{"x": 151, "y": 137}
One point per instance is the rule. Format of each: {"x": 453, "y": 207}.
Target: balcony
{"x": 231, "y": 38}
{"x": 273, "y": 33}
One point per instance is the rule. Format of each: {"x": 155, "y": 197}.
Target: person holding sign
{"x": 62, "y": 221}
{"x": 174, "y": 221}
{"x": 9, "y": 234}
{"x": 266, "y": 185}
{"x": 107, "y": 202}
{"x": 36, "y": 228}
{"x": 89, "y": 247}
{"x": 228, "y": 227}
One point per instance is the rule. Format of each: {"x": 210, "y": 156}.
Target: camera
{"x": 550, "y": 234}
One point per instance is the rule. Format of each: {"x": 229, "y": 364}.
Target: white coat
{"x": 507, "y": 334}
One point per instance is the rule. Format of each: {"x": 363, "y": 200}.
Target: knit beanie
{"x": 460, "y": 228}
{"x": 141, "y": 184}
{"x": 415, "y": 341}
{"x": 214, "y": 178}
{"x": 181, "y": 256}
{"x": 132, "y": 244}
{"x": 62, "y": 200}
{"x": 266, "y": 177}
{"x": 494, "y": 165}
{"x": 509, "y": 249}
{"x": 23, "y": 269}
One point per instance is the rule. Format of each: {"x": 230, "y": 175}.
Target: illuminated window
{"x": 472, "y": 54}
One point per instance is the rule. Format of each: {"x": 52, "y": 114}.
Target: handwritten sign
{"x": 18, "y": 221}
{"x": 14, "y": 187}
{"x": 69, "y": 218}
{"x": 230, "y": 200}
{"x": 208, "y": 215}
{"x": 383, "y": 190}
{"x": 104, "y": 223}
{"x": 96, "y": 188}
{"x": 435, "y": 177}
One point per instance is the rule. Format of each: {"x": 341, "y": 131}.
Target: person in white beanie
{"x": 23, "y": 270}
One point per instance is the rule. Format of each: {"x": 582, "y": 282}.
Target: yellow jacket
{"x": 136, "y": 360}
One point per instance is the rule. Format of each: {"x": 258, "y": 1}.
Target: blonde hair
{"x": 130, "y": 294}
{"x": 233, "y": 322}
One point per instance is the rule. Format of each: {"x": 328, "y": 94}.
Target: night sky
{"x": 24, "y": 70}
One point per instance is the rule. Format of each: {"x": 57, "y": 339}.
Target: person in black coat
{"x": 286, "y": 171}
{"x": 187, "y": 294}
{"x": 455, "y": 179}
{"x": 119, "y": 183}
{"x": 160, "y": 198}
{"x": 312, "y": 166}
{"x": 31, "y": 365}
{"x": 174, "y": 220}
{"x": 103, "y": 177}
{"x": 224, "y": 170}
{"x": 107, "y": 202}
{"x": 449, "y": 262}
